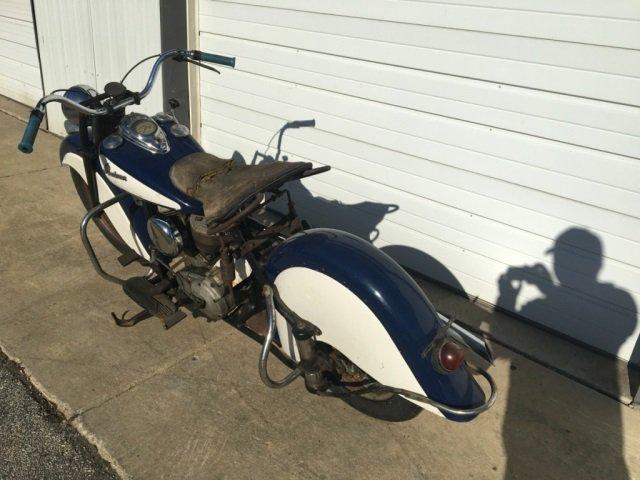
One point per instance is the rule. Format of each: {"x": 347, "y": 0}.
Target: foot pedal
{"x": 130, "y": 322}
{"x": 175, "y": 317}
{"x": 150, "y": 296}
{"x": 128, "y": 258}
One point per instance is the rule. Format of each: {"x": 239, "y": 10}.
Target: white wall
{"x": 94, "y": 42}
{"x": 19, "y": 69}
{"x": 467, "y": 134}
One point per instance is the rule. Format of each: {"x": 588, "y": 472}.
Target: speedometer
{"x": 144, "y": 127}
{"x": 144, "y": 132}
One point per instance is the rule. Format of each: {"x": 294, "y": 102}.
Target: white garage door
{"x": 466, "y": 137}
{"x": 94, "y": 42}
{"x": 19, "y": 69}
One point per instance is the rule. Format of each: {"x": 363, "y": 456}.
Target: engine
{"x": 199, "y": 280}
{"x": 205, "y": 285}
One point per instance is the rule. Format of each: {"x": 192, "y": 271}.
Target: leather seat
{"x": 223, "y": 186}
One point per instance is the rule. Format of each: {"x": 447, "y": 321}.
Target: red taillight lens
{"x": 450, "y": 356}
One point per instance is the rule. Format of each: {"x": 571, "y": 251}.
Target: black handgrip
{"x": 30, "y": 131}
{"x": 301, "y": 123}
{"x": 213, "y": 58}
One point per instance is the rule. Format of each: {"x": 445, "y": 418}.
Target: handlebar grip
{"x": 302, "y": 123}
{"x": 30, "y": 131}
{"x": 213, "y": 58}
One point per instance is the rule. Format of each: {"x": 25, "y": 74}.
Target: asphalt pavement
{"x": 35, "y": 441}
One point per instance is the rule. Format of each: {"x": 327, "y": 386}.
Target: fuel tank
{"x": 145, "y": 174}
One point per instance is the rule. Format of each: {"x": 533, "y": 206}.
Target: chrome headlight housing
{"x": 165, "y": 235}
{"x": 77, "y": 93}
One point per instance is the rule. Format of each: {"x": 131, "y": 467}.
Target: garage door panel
{"x": 450, "y": 164}
{"x": 19, "y": 91}
{"x": 459, "y": 207}
{"x": 493, "y": 127}
{"x": 17, "y": 31}
{"x": 621, "y": 9}
{"x": 537, "y": 22}
{"x": 621, "y": 61}
{"x": 559, "y": 117}
{"x": 313, "y": 205}
{"x": 19, "y": 53}
{"x": 19, "y": 66}
{"x": 16, "y": 9}
{"x": 20, "y": 72}
{"x": 577, "y": 263}
{"x": 582, "y": 83}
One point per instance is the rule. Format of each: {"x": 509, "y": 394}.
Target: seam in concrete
{"x": 73, "y": 417}
{"x": 154, "y": 373}
{"x": 13, "y": 115}
{"x": 485, "y": 333}
{"x": 101, "y": 401}
{"x": 11, "y": 175}
{"x": 548, "y": 366}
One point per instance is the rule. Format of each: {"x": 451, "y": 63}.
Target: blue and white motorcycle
{"x": 342, "y": 314}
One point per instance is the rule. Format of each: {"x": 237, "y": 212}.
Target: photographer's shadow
{"x": 561, "y": 301}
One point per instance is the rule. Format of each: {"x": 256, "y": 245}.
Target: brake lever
{"x": 199, "y": 64}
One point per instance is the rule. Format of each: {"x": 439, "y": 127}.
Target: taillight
{"x": 450, "y": 356}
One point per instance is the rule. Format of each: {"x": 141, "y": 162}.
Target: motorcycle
{"x": 344, "y": 316}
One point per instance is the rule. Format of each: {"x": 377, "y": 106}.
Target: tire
{"x": 394, "y": 409}
{"x": 102, "y": 221}
{"x": 382, "y": 406}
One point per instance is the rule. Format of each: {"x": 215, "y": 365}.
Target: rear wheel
{"x": 102, "y": 221}
{"x": 385, "y": 406}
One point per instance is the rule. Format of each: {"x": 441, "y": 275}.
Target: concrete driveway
{"x": 188, "y": 403}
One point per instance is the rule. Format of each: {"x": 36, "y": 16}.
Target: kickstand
{"x": 130, "y": 322}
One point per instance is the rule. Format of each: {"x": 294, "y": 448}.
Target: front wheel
{"x": 102, "y": 221}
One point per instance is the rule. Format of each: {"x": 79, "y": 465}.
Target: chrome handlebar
{"x": 125, "y": 102}
{"x": 37, "y": 114}
{"x": 156, "y": 66}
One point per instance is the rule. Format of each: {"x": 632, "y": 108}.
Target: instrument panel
{"x": 143, "y": 131}
{"x": 144, "y": 127}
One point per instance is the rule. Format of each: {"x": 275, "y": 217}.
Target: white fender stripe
{"x": 115, "y": 213}
{"x": 346, "y": 324}
{"x": 76, "y": 163}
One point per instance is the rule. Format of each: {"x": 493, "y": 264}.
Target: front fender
{"x": 370, "y": 309}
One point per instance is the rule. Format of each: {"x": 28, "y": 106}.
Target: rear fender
{"x": 368, "y": 308}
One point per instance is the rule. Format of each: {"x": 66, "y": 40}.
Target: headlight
{"x": 77, "y": 93}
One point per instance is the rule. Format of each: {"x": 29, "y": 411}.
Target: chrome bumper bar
{"x": 267, "y": 292}
{"x": 85, "y": 239}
